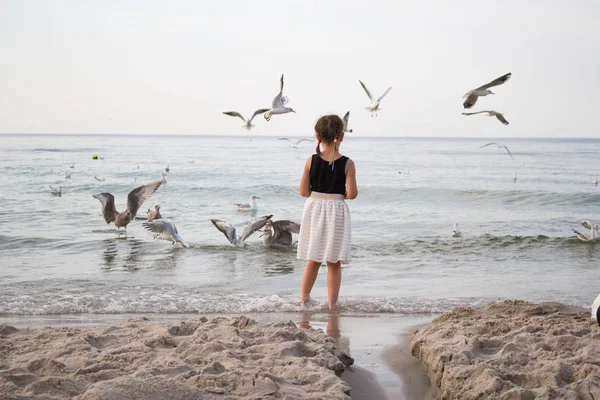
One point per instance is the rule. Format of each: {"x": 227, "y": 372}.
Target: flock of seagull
{"x": 276, "y": 234}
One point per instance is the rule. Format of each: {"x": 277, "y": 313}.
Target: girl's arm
{"x": 305, "y": 180}
{"x": 351, "y": 189}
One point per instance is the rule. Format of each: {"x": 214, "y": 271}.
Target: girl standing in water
{"x": 328, "y": 179}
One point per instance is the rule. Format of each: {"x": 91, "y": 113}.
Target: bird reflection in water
{"x": 111, "y": 253}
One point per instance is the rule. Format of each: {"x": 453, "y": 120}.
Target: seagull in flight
{"x": 374, "y": 106}
{"x": 501, "y": 146}
{"x": 164, "y": 229}
{"x": 345, "y": 119}
{"x": 472, "y": 95}
{"x": 295, "y": 144}
{"x": 585, "y": 237}
{"x": 247, "y": 122}
{"x": 230, "y": 233}
{"x": 279, "y": 104}
{"x": 135, "y": 199}
{"x": 99, "y": 179}
{"x": 490, "y": 113}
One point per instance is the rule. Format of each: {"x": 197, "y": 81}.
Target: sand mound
{"x": 512, "y": 350}
{"x": 233, "y": 358}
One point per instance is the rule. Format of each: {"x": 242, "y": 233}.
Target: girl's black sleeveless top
{"x": 325, "y": 180}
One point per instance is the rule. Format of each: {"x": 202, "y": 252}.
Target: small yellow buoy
{"x": 95, "y": 157}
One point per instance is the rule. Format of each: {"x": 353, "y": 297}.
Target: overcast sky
{"x": 172, "y": 67}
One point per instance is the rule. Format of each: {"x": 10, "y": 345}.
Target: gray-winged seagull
{"x": 135, "y": 199}
{"x": 279, "y": 104}
{"x": 247, "y": 122}
{"x": 164, "y": 229}
{"x": 483, "y": 90}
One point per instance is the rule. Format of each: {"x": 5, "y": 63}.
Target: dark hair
{"x": 328, "y": 128}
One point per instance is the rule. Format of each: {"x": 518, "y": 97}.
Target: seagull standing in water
{"x": 248, "y": 207}
{"x": 164, "y": 178}
{"x": 154, "y": 214}
{"x": 279, "y": 104}
{"x": 374, "y": 106}
{"x": 67, "y": 175}
{"x": 483, "y": 90}
{"x": 229, "y": 230}
{"x": 164, "y": 229}
{"x": 585, "y": 237}
{"x": 501, "y": 146}
{"x": 345, "y": 120}
{"x": 135, "y": 199}
{"x": 515, "y": 178}
{"x": 457, "y": 233}
{"x": 490, "y": 113}
{"x": 595, "y": 181}
{"x": 247, "y": 122}
{"x": 278, "y": 234}
{"x": 56, "y": 191}
{"x": 294, "y": 145}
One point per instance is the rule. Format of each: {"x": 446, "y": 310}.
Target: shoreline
{"x": 365, "y": 338}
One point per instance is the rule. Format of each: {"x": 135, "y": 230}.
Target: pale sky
{"x": 172, "y": 67}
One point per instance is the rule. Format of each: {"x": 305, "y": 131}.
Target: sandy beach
{"x": 104, "y": 357}
{"x": 512, "y": 350}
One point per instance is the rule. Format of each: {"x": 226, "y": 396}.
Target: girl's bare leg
{"x": 308, "y": 279}
{"x": 334, "y": 280}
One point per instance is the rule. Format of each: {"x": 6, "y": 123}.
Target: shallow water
{"x": 59, "y": 257}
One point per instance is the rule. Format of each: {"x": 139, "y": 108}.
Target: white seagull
{"x": 56, "y": 191}
{"x": 596, "y": 310}
{"x": 595, "y": 181}
{"x": 67, "y": 175}
{"x": 72, "y": 165}
{"x": 99, "y": 179}
{"x": 501, "y": 146}
{"x": 247, "y": 122}
{"x": 515, "y": 178}
{"x": 490, "y": 113}
{"x": 230, "y": 233}
{"x": 345, "y": 119}
{"x": 278, "y": 105}
{"x": 472, "y": 95}
{"x": 164, "y": 229}
{"x": 374, "y": 106}
{"x": 457, "y": 233}
{"x": 164, "y": 178}
{"x": 294, "y": 145}
{"x": 248, "y": 207}
{"x": 592, "y": 236}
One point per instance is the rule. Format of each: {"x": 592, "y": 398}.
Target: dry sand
{"x": 512, "y": 350}
{"x": 219, "y": 358}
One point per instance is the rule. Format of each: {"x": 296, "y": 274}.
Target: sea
{"x": 59, "y": 257}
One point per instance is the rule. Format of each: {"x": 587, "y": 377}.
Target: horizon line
{"x": 294, "y": 136}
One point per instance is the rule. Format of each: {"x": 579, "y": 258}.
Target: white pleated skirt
{"x": 325, "y": 233}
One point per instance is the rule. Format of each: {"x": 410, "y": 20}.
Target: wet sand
{"x": 383, "y": 367}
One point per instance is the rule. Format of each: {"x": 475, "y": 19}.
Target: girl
{"x": 327, "y": 180}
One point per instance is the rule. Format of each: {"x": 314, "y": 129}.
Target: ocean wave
{"x": 136, "y": 301}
